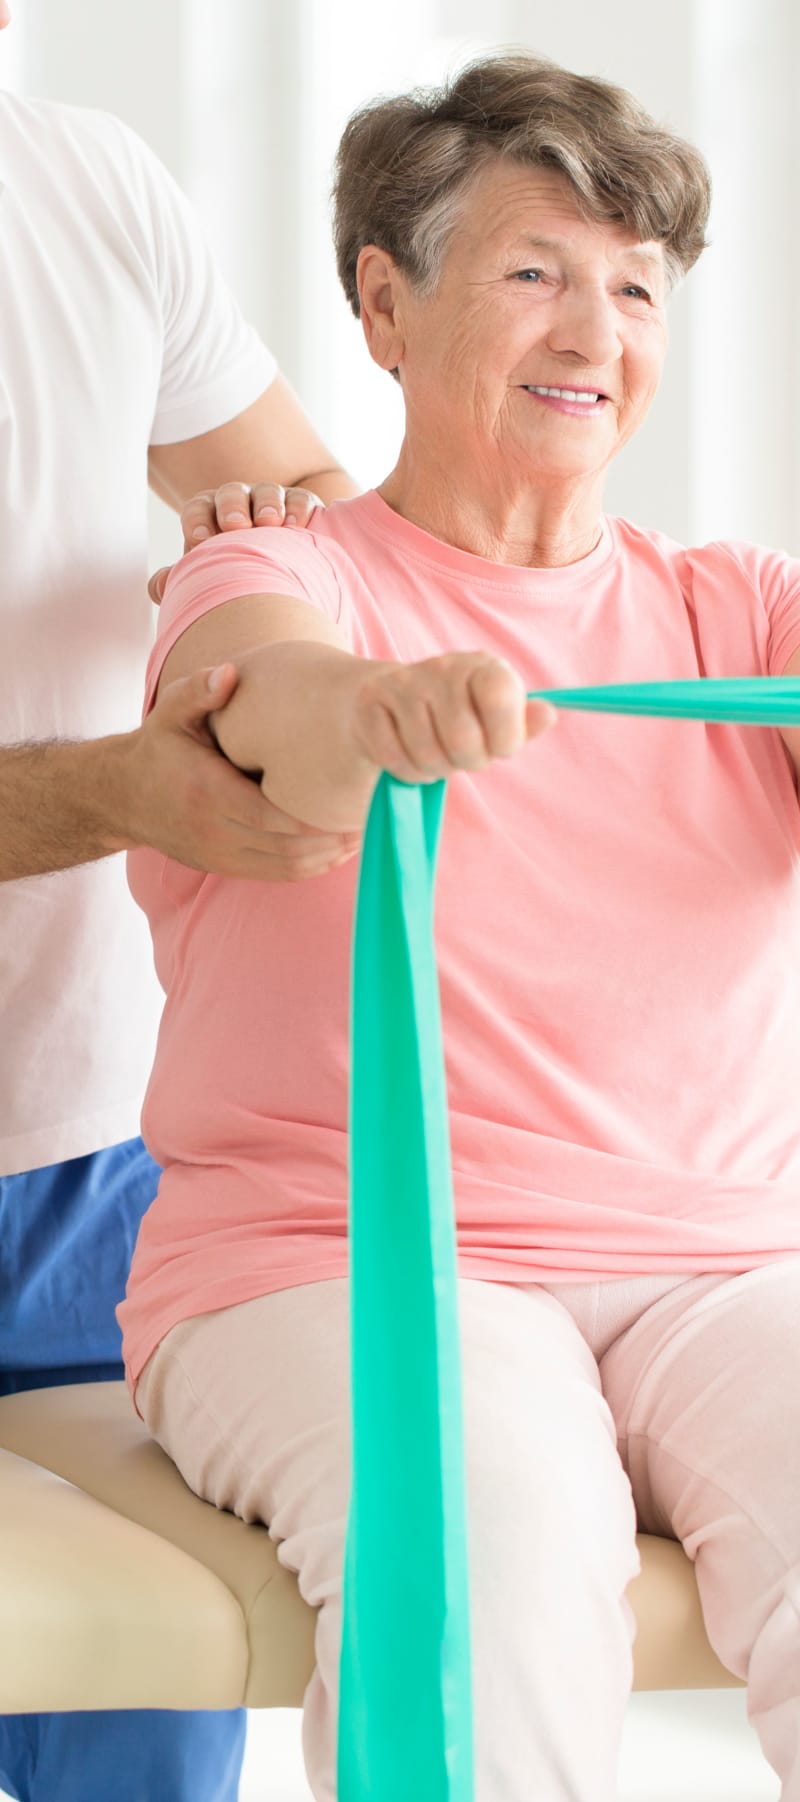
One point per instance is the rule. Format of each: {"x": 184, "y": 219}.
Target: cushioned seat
{"x": 120, "y": 1589}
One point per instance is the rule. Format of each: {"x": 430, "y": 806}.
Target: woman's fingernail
{"x": 267, "y": 513}
{"x": 200, "y": 532}
{"x": 240, "y": 518}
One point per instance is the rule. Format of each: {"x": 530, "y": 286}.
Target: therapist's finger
{"x": 198, "y": 519}
{"x": 268, "y": 503}
{"x": 157, "y": 584}
{"x": 276, "y": 506}
{"x": 232, "y": 507}
{"x": 223, "y": 509}
{"x": 301, "y": 504}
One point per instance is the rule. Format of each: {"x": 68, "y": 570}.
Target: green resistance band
{"x": 405, "y": 1716}
{"x": 742, "y": 700}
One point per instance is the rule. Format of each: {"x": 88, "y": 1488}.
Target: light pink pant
{"x": 678, "y": 1395}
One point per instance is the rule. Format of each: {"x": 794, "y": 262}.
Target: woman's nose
{"x": 586, "y": 327}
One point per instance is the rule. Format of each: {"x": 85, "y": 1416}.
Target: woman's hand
{"x": 423, "y": 721}
{"x": 233, "y": 508}
{"x": 321, "y": 724}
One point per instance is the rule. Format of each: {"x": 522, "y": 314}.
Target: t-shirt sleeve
{"x": 262, "y": 560}
{"x": 775, "y": 577}
{"x": 783, "y": 606}
{"x": 213, "y": 364}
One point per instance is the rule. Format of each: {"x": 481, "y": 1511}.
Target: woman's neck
{"x": 524, "y": 524}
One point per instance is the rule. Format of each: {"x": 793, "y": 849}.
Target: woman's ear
{"x": 380, "y": 288}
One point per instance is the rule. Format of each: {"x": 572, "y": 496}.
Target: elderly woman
{"x": 619, "y": 947}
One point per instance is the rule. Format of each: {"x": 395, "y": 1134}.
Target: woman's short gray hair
{"x": 406, "y": 164}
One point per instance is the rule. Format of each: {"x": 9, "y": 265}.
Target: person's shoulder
{"x": 718, "y": 567}
{"x": 728, "y": 564}
{"x": 757, "y": 562}
{"x": 40, "y": 122}
{"x": 749, "y": 560}
{"x": 638, "y": 543}
{"x": 258, "y": 559}
{"x": 340, "y": 522}
{"x": 770, "y": 575}
{"x": 28, "y": 115}
{"x": 347, "y": 527}
{"x": 87, "y": 153}
{"x": 332, "y": 534}
{"x": 322, "y": 559}
{"x": 343, "y": 534}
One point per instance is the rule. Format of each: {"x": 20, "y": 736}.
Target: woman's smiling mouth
{"x": 583, "y": 401}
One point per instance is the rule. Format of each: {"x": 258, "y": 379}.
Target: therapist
{"x": 121, "y": 353}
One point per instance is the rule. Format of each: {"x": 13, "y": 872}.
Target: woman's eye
{"x": 632, "y": 288}
{"x": 530, "y": 275}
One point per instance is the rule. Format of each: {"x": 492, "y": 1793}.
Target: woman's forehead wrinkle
{"x": 618, "y": 245}
{"x": 519, "y": 210}
{"x": 623, "y": 245}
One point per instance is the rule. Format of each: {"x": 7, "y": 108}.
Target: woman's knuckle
{"x": 469, "y": 754}
{"x": 496, "y": 678}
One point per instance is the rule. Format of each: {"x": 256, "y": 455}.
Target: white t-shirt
{"x": 116, "y": 332}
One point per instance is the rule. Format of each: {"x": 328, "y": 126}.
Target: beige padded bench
{"x": 120, "y": 1589}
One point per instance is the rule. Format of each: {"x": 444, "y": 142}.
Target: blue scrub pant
{"x": 67, "y": 1234}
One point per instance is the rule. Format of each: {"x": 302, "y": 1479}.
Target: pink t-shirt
{"x": 618, "y": 930}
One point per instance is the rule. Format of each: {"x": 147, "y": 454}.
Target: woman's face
{"x": 534, "y": 297}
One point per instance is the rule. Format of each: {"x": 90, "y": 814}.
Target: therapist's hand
{"x": 177, "y": 792}
{"x": 233, "y": 508}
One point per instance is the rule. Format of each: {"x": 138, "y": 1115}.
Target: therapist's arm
{"x": 272, "y": 441}
{"x": 317, "y": 725}
{"x": 164, "y": 785}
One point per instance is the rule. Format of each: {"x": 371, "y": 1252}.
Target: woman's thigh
{"x": 705, "y": 1391}
{"x": 253, "y": 1404}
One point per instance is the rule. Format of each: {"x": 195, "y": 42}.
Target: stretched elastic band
{"x": 742, "y": 700}
{"x": 405, "y": 1731}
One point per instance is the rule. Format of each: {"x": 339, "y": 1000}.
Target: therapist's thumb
{"x": 189, "y": 701}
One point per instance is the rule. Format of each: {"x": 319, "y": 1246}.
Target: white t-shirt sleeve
{"x": 214, "y": 364}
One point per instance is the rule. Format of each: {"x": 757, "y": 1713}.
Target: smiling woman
{"x": 405, "y": 166}
{"x": 618, "y": 926}
{"x": 524, "y": 227}
{"x": 509, "y": 352}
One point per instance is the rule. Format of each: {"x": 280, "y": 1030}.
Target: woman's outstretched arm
{"x": 317, "y": 724}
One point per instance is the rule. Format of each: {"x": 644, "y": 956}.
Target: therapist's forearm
{"x": 332, "y": 484}
{"x": 292, "y": 721}
{"x": 58, "y": 805}
{"x": 271, "y": 441}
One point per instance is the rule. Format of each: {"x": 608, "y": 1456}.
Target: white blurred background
{"x": 244, "y": 101}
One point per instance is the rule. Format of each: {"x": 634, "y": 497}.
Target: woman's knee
{"x": 545, "y": 1483}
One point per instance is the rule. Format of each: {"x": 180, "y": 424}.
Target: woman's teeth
{"x": 567, "y": 394}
